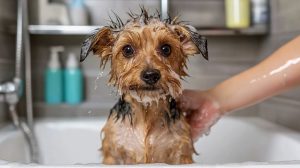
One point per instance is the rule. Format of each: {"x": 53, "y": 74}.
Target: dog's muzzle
{"x": 150, "y": 76}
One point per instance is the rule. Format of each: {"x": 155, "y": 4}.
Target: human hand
{"x": 202, "y": 111}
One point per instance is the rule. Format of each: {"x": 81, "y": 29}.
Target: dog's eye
{"x": 128, "y": 51}
{"x": 165, "y": 50}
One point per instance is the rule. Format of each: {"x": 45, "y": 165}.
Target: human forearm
{"x": 275, "y": 74}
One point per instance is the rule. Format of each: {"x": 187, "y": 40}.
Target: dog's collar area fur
{"x": 122, "y": 109}
{"x": 174, "y": 113}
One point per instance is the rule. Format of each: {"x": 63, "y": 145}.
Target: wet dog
{"x": 148, "y": 60}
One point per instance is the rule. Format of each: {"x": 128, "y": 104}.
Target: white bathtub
{"x": 234, "y": 141}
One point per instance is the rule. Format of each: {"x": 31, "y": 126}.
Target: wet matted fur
{"x": 145, "y": 126}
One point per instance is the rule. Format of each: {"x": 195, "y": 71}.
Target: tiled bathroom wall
{"x": 7, "y": 46}
{"x": 285, "y": 25}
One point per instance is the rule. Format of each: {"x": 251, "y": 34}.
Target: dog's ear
{"x": 100, "y": 42}
{"x": 192, "y": 42}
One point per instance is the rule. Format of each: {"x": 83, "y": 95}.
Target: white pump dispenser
{"x": 54, "y": 62}
{"x": 72, "y": 62}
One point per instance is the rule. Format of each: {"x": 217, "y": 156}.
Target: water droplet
{"x": 100, "y": 75}
{"x": 206, "y": 133}
{"x": 90, "y": 112}
{"x": 204, "y": 114}
{"x": 161, "y": 123}
{"x": 113, "y": 92}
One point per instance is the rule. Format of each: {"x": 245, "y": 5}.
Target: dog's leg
{"x": 108, "y": 158}
{"x": 111, "y": 155}
{"x": 186, "y": 160}
{"x": 107, "y": 147}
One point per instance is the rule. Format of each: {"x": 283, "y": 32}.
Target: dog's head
{"x": 148, "y": 55}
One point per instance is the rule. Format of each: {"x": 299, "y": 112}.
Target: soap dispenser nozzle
{"x": 54, "y": 62}
{"x": 57, "y": 49}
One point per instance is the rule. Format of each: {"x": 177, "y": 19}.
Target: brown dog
{"x": 148, "y": 59}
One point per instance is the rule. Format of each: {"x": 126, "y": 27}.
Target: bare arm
{"x": 277, "y": 73}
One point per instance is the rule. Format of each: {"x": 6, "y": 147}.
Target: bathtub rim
{"x": 275, "y": 164}
{"x": 286, "y": 163}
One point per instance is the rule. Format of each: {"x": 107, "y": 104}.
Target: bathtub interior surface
{"x": 232, "y": 140}
{"x": 238, "y": 139}
{"x": 69, "y": 141}
{"x": 13, "y": 146}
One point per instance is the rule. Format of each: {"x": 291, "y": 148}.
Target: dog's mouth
{"x": 144, "y": 88}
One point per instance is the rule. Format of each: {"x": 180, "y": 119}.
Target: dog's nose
{"x": 150, "y": 76}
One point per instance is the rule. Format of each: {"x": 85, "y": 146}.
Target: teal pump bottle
{"x": 73, "y": 81}
{"x": 54, "y": 78}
